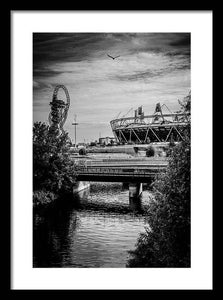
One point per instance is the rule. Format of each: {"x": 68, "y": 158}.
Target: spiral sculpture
{"x": 59, "y": 111}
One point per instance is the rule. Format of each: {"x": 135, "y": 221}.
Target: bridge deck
{"x": 121, "y": 171}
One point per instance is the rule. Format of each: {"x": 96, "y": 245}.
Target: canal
{"x": 96, "y": 229}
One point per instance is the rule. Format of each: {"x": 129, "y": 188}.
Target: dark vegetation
{"x": 150, "y": 151}
{"x": 53, "y": 170}
{"x": 82, "y": 151}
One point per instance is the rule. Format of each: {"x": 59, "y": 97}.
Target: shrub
{"x": 167, "y": 242}
{"x": 53, "y": 170}
{"x": 42, "y": 197}
{"x": 150, "y": 151}
{"x": 82, "y": 151}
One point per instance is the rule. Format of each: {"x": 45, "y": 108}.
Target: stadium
{"x": 156, "y": 128}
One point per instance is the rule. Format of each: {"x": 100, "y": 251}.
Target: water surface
{"x": 96, "y": 230}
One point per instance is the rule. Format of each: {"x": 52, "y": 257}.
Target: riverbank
{"x": 43, "y": 198}
{"x": 85, "y": 199}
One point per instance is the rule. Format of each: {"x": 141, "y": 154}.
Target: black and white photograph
{"x": 111, "y": 150}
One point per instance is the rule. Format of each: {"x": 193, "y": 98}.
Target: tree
{"x": 185, "y": 104}
{"x": 53, "y": 170}
{"x": 167, "y": 242}
{"x": 82, "y": 151}
{"x": 150, "y": 151}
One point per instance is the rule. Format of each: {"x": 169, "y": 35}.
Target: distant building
{"x": 104, "y": 141}
{"x": 79, "y": 145}
{"x": 93, "y": 144}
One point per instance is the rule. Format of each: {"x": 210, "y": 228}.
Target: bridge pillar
{"x": 135, "y": 190}
{"x": 135, "y": 193}
{"x": 125, "y": 185}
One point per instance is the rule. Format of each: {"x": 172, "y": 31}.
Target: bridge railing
{"x": 122, "y": 172}
{"x": 121, "y": 163}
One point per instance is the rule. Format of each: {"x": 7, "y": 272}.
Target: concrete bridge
{"x": 120, "y": 173}
{"x": 132, "y": 171}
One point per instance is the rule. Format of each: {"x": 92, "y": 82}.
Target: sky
{"x": 151, "y": 68}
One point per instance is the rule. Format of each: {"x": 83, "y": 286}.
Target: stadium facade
{"x": 155, "y": 128}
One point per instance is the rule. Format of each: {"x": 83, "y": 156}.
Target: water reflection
{"x": 92, "y": 231}
{"x": 80, "y": 196}
{"x": 51, "y": 228}
{"x": 136, "y": 204}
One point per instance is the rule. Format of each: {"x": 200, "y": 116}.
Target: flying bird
{"x": 112, "y": 56}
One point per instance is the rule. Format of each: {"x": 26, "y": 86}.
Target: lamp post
{"x": 75, "y": 129}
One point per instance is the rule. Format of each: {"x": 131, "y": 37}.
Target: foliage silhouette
{"x": 150, "y": 151}
{"x": 53, "y": 170}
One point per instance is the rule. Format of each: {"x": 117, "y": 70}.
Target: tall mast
{"x": 75, "y": 129}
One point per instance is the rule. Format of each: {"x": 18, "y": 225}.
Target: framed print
{"x": 109, "y": 188}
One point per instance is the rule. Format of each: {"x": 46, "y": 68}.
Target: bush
{"x": 150, "y": 151}
{"x": 82, "y": 151}
{"x": 43, "y": 198}
{"x": 53, "y": 170}
{"x": 167, "y": 241}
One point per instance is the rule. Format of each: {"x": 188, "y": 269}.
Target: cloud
{"x": 140, "y": 75}
{"x": 48, "y": 72}
{"x": 38, "y": 85}
{"x": 182, "y": 40}
{"x": 152, "y": 67}
{"x": 57, "y": 47}
{"x": 67, "y": 46}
